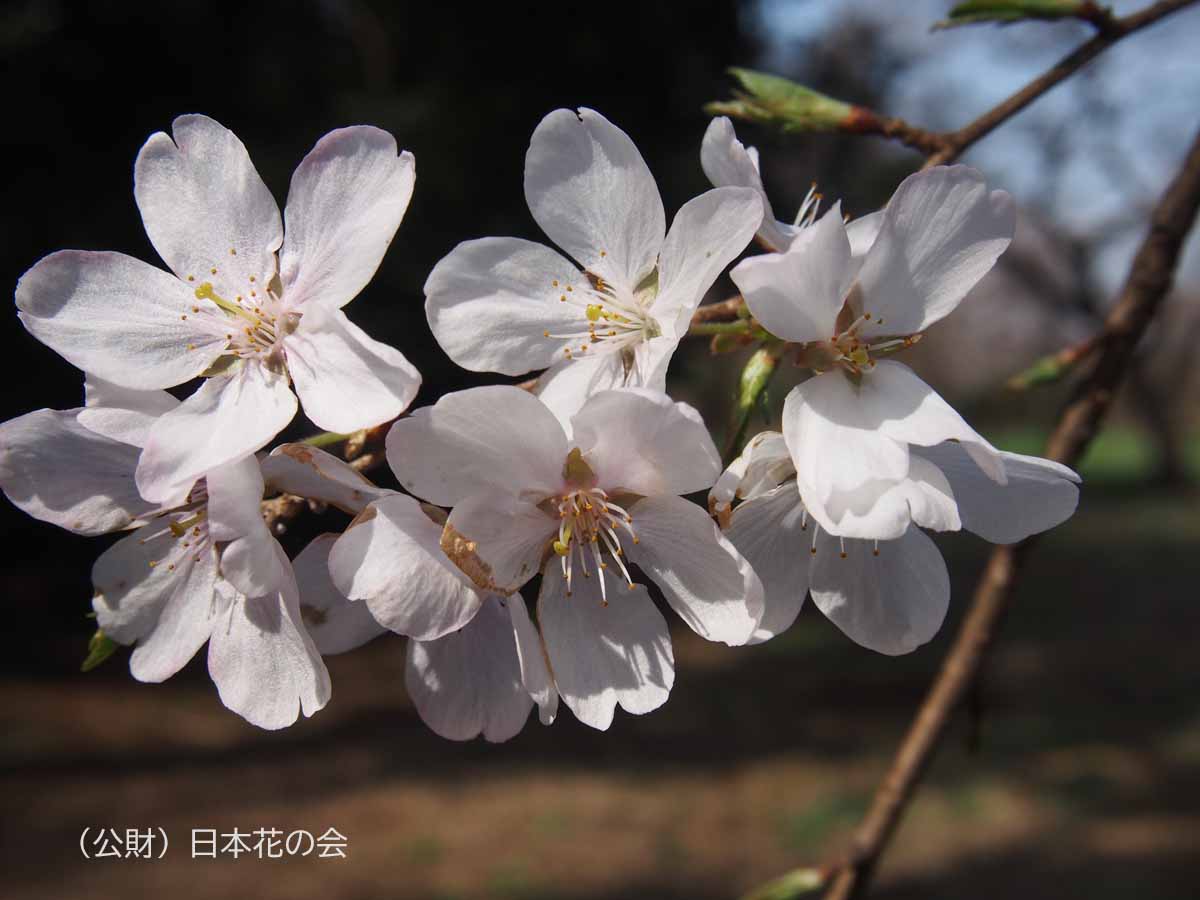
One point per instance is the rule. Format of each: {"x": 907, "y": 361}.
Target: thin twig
{"x": 723, "y": 311}
{"x": 955, "y": 142}
{"x": 1145, "y": 287}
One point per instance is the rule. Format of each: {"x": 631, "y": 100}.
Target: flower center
{"x": 590, "y": 526}
{"x": 850, "y": 349}
{"x": 188, "y": 526}
{"x": 611, "y": 320}
{"x": 254, "y": 326}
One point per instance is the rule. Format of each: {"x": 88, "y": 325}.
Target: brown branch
{"x": 953, "y": 143}
{"x": 1145, "y": 287}
{"x": 723, "y": 311}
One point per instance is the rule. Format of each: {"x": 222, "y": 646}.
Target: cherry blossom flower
{"x": 888, "y": 595}
{"x": 479, "y": 677}
{"x": 204, "y": 569}
{"x": 941, "y": 232}
{"x": 513, "y": 306}
{"x": 246, "y": 305}
{"x": 728, "y": 163}
{"x": 527, "y": 497}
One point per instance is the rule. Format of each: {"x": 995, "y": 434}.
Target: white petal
{"x": 251, "y": 564}
{"x": 590, "y": 191}
{"x": 884, "y": 512}
{"x": 469, "y": 682}
{"x": 828, "y": 411}
{"x": 707, "y": 234}
{"x": 861, "y": 233}
{"x": 134, "y": 578}
{"x": 476, "y": 440}
{"x": 797, "y": 295}
{"x": 1038, "y": 495}
{"x": 121, "y": 413}
{"x": 891, "y": 603}
{"x": 345, "y": 379}
{"x": 763, "y": 464}
{"x": 727, "y": 162}
{"x": 335, "y": 623}
{"x": 498, "y": 540}
{"x": 390, "y": 557}
{"x": 235, "y": 492}
{"x": 639, "y": 440}
{"x": 265, "y": 666}
{"x": 701, "y": 574}
{"x": 60, "y": 472}
{"x": 311, "y": 472}
{"x": 942, "y": 231}
{"x": 605, "y": 655}
{"x": 490, "y": 302}
{"x": 116, "y": 317}
{"x": 185, "y": 623}
{"x": 767, "y": 531}
{"x": 227, "y": 418}
{"x": 568, "y": 384}
{"x": 345, "y": 203}
{"x": 531, "y": 653}
{"x": 910, "y": 410}
{"x": 201, "y": 199}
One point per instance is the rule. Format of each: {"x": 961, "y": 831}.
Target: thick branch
{"x": 1147, "y": 284}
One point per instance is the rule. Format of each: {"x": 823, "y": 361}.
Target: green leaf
{"x": 771, "y": 100}
{"x": 1005, "y": 12}
{"x": 100, "y": 648}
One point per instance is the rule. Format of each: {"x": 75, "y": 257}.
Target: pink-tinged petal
{"x": 265, "y": 666}
{"x": 205, "y": 207}
{"x": 771, "y": 534}
{"x": 797, "y": 295}
{"x": 912, "y": 411}
{"x": 490, "y": 303}
{"x": 345, "y": 379}
{"x": 390, "y": 557}
{"x": 602, "y": 655}
{"x": 536, "y": 676}
{"x": 862, "y": 232}
{"x": 1039, "y": 494}
{"x": 477, "y": 440}
{"x": 334, "y": 622}
{"x": 185, "y": 623}
{"x": 942, "y": 231}
{"x": 892, "y": 602}
{"x": 116, "y": 317}
{"x": 136, "y": 576}
{"x": 228, "y": 417}
{"x": 469, "y": 682}
{"x": 641, "y": 441}
{"x": 707, "y": 234}
{"x": 590, "y": 191}
{"x": 345, "y": 203}
{"x": 60, "y": 472}
{"x": 311, "y": 472}
{"x": 701, "y": 573}
{"x": 121, "y": 413}
{"x": 727, "y": 162}
{"x": 498, "y": 540}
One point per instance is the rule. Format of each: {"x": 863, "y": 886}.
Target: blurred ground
{"x": 1085, "y": 782}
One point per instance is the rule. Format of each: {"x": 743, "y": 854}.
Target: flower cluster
{"x": 574, "y": 490}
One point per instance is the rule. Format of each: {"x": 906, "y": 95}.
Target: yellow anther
{"x": 860, "y": 357}
{"x": 561, "y": 549}
{"x": 594, "y": 311}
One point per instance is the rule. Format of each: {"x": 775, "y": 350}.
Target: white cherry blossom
{"x": 202, "y": 569}
{"x": 941, "y": 232}
{"x": 528, "y": 498}
{"x": 615, "y": 315}
{"x": 888, "y": 595}
{"x": 247, "y": 305}
{"x": 728, "y": 163}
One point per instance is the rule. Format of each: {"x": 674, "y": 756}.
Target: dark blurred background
{"x": 1076, "y": 771}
